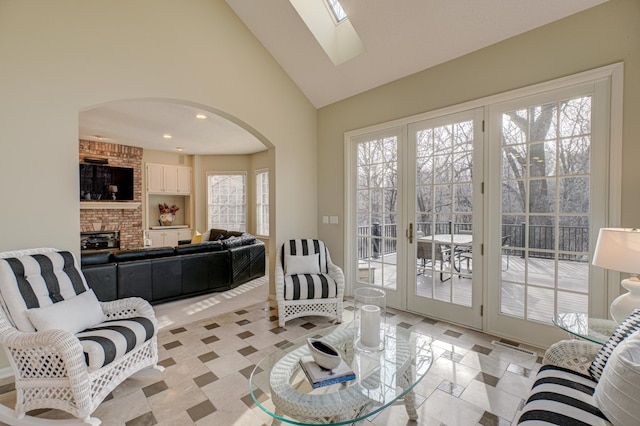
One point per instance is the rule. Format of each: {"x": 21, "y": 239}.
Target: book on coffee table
{"x": 319, "y": 376}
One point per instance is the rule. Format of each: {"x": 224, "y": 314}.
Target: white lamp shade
{"x": 618, "y": 249}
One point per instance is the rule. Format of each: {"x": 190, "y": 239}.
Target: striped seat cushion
{"x": 36, "y": 281}
{"x": 560, "y": 396}
{"x": 309, "y": 286}
{"x": 112, "y": 339}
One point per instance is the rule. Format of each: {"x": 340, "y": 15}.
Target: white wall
{"x": 58, "y": 57}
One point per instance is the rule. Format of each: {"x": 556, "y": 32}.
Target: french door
{"x": 486, "y": 214}
{"x": 445, "y": 206}
{"x": 413, "y": 183}
{"x": 549, "y": 174}
{"x": 378, "y": 206}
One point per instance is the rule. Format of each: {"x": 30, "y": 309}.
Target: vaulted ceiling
{"x": 398, "y": 38}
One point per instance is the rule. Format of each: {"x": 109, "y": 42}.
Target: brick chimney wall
{"x": 127, "y": 221}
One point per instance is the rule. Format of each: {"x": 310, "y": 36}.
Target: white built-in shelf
{"x": 112, "y": 205}
{"x": 170, "y": 227}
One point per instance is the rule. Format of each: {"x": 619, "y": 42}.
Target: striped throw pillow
{"x": 624, "y": 329}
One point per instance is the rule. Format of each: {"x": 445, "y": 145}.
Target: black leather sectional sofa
{"x": 170, "y": 273}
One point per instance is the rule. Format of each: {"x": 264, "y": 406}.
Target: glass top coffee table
{"x": 280, "y": 388}
{"x": 596, "y": 330}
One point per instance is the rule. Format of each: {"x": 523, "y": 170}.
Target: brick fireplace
{"x": 127, "y": 221}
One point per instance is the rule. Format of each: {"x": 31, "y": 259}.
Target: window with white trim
{"x": 262, "y": 202}
{"x": 226, "y": 201}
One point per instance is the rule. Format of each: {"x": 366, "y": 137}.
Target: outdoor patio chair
{"x": 468, "y": 255}
{"x": 307, "y": 282}
{"x": 430, "y": 252}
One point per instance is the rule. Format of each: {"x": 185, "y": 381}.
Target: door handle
{"x": 409, "y": 233}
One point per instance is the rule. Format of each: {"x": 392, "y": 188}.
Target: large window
{"x": 262, "y": 202}
{"x": 226, "y": 200}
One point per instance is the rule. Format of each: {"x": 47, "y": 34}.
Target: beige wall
{"x": 60, "y": 57}
{"x": 600, "y": 36}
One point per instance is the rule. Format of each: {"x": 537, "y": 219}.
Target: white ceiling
{"x": 401, "y": 37}
{"x": 143, "y": 123}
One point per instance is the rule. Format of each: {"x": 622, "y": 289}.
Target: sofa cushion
{"x": 618, "y": 391}
{"x": 73, "y": 314}
{"x": 560, "y": 396}
{"x": 309, "y": 286}
{"x": 230, "y": 234}
{"x": 98, "y": 258}
{"x": 203, "y": 247}
{"x": 214, "y": 234}
{"x": 197, "y": 238}
{"x": 624, "y": 329}
{"x": 38, "y": 280}
{"x": 238, "y": 241}
{"x": 143, "y": 254}
{"x": 109, "y": 340}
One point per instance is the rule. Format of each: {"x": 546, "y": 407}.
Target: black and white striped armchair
{"x": 68, "y": 351}
{"x": 307, "y": 282}
{"x": 583, "y": 383}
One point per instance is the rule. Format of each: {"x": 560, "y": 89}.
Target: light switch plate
{"x": 325, "y": 219}
{"x": 333, "y": 219}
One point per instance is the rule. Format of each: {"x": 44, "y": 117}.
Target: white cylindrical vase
{"x": 369, "y": 318}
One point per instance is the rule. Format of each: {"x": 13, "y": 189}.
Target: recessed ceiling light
{"x": 166, "y": 136}
{"x": 201, "y": 116}
{"x": 179, "y": 148}
{"x": 100, "y": 137}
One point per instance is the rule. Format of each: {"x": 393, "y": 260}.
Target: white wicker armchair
{"x": 330, "y": 279}
{"x": 50, "y": 367}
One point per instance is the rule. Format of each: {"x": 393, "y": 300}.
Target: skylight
{"x": 340, "y": 42}
{"x": 338, "y": 11}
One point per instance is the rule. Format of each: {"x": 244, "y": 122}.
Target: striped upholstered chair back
{"x": 307, "y": 281}
{"x": 38, "y": 280}
{"x": 305, "y": 248}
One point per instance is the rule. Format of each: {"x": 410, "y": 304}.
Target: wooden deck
{"x": 572, "y": 284}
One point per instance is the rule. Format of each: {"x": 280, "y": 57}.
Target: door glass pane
{"x": 377, "y": 196}
{"x": 444, "y": 171}
{"x": 545, "y": 209}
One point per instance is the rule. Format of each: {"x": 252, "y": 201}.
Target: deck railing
{"x": 573, "y": 241}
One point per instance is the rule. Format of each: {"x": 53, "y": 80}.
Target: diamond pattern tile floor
{"x": 208, "y": 363}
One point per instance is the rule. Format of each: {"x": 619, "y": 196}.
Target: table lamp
{"x": 113, "y": 189}
{"x": 619, "y": 249}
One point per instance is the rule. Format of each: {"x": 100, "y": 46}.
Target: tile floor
{"x": 208, "y": 362}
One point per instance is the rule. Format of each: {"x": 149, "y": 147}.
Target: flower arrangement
{"x": 164, "y": 208}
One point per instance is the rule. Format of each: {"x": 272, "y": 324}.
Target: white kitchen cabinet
{"x": 168, "y": 179}
{"x": 184, "y": 180}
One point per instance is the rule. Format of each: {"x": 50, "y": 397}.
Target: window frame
{"x": 259, "y": 197}
{"x": 227, "y": 226}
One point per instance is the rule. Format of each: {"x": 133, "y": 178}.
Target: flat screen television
{"x": 95, "y": 180}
